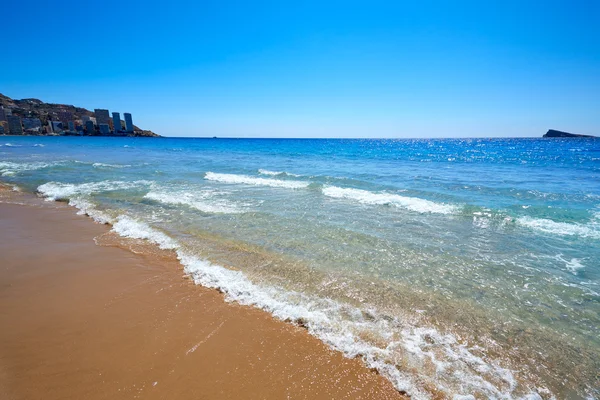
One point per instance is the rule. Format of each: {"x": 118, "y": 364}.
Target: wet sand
{"x": 84, "y": 321}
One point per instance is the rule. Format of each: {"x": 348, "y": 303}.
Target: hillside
{"x": 35, "y": 108}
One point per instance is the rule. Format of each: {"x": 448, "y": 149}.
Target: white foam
{"x": 103, "y": 165}
{"x": 39, "y": 145}
{"x": 131, "y": 228}
{"x": 459, "y": 371}
{"x": 88, "y": 208}
{"x": 267, "y": 172}
{"x": 275, "y": 173}
{"x": 202, "y": 201}
{"x": 249, "y": 180}
{"x": 573, "y": 265}
{"x": 559, "y": 228}
{"x": 8, "y": 168}
{"x": 62, "y": 191}
{"x": 409, "y": 203}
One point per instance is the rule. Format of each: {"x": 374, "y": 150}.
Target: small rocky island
{"x": 34, "y": 117}
{"x": 560, "y": 134}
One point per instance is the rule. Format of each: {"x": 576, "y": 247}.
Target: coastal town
{"x": 34, "y": 117}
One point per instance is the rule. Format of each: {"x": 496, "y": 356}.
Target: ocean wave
{"x": 276, "y": 173}
{"x": 12, "y": 145}
{"x": 573, "y": 266}
{"x": 409, "y": 203}
{"x": 8, "y": 168}
{"x": 63, "y": 191}
{"x": 103, "y": 165}
{"x": 202, "y": 201}
{"x": 459, "y": 370}
{"x": 560, "y": 228}
{"x": 86, "y": 207}
{"x": 250, "y": 180}
{"x": 131, "y": 228}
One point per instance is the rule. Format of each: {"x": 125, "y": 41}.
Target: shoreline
{"x": 100, "y": 321}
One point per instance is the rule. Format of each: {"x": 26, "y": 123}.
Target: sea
{"x": 455, "y": 268}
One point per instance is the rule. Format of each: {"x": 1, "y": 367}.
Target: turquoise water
{"x": 454, "y": 267}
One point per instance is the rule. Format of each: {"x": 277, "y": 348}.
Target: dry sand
{"x": 83, "y": 321}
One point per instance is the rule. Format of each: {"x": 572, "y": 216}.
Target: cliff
{"x": 559, "y": 134}
{"x": 35, "y": 108}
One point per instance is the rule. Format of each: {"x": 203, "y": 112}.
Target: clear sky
{"x": 313, "y": 68}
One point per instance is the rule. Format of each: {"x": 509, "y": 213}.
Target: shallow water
{"x": 454, "y": 267}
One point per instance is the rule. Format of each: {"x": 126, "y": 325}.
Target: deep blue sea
{"x": 455, "y": 267}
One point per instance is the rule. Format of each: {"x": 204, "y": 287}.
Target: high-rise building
{"x": 89, "y": 127}
{"x": 32, "y": 124}
{"x": 116, "y": 122}
{"x": 71, "y": 126}
{"x": 14, "y": 125}
{"x": 104, "y": 129}
{"x": 2, "y": 129}
{"x": 56, "y": 126}
{"x": 128, "y": 122}
{"x": 3, "y": 113}
{"x": 102, "y": 116}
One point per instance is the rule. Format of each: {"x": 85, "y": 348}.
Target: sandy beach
{"x": 98, "y": 321}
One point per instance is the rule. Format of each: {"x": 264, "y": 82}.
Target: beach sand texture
{"x": 87, "y": 321}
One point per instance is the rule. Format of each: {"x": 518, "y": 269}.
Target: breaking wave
{"x": 8, "y": 168}
{"x": 103, "y": 165}
{"x": 250, "y": 180}
{"x": 64, "y": 191}
{"x": 409, "y": 203}
{"x": 591, "y": 230}
{"x": 276, "y": 173}
{"x": 203, "y": 201}
{"x": 342, "y": 327}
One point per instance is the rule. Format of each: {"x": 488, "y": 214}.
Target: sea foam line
{"x": 63, "y": 191}
{"x": 8, "y": 168}
{"x": 104, "y": 165}
{"x": 338, "y": 325}
{"x": 458, "y": 370}
{"x": 250, "y": 180}
{"x": 409, "y": 203}
{"x": 559, "y": 228}
{"x": 275, "y": 173}
{"x": 202, "y": 201}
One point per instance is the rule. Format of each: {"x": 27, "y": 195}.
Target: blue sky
{"x": 315, "y": 68}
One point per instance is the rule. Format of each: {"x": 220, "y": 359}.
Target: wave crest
{"x": 560, "y": 228}
{"x": 409, "y": 203}
{"x": 250, "y": 180}
{"x": 202, "y": 201}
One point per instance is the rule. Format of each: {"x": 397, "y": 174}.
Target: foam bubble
{"x": 201, "y": 201}
{"x": 131, "y": 228}
{"x": 103, "y": 165}
{"x": 267, "y": 172}
{"x": 459, "y": 371}
{"x": 249, "y": 180}
{"x": 62, "y": 191}
{"x": 409, "y": 203}
{"x": 275, "y": 173}
{"x": 88, "y": 208}
{"x": 8, "y": 168}
{"x": 559, "y": 228}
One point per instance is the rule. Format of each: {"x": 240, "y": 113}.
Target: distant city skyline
{"x": 317, "y": 69}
